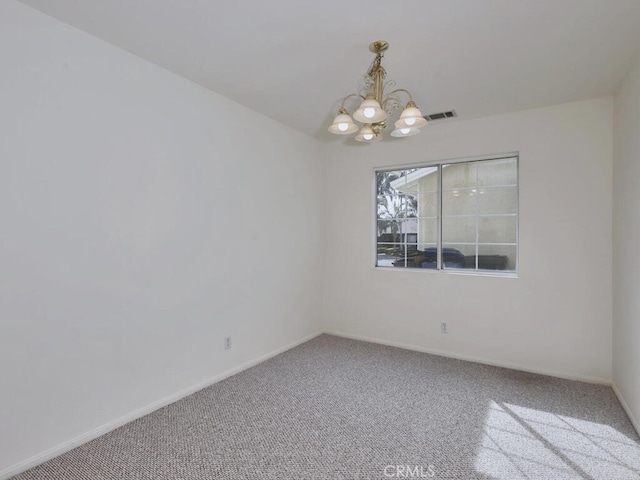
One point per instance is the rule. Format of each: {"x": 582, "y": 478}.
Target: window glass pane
{"x": 459, "y": 175}
{"x": 409, "y": 182}
{"x": 384, "y": 259}
{"x": 423, "y": 180}
{"x": 388, "y": 241}
{"x": 497, "y": 229}
{"x": 497, "y": 257}
{"x": 430, "y": 257}
{"x": 503, "y": 171}
{"x": 459, "y": 229}
{"x": 427, "y": 204}
{"x": 391, "y": 231}
{"x": 383, "y": 180}
{"x": 428, "y": 230}
{"x": 395, "y": 206}
{"x": 386, "y": 206}
{"x": 458, "y": 256}
{"x": 459, "y": 202}
{"x": 406, "y": 187}
{"x": 410, "y": 225}
{"x": 497, "y": 200}
{"x": 413, "y": 258}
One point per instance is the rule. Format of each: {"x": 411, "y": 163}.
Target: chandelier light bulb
{"x": 370, "y": 111}
{"x": 411, "y": 117}
{"x": 405, "y": 132}
{"x": 367, "y": 135}
{"x": 343, "y": 124}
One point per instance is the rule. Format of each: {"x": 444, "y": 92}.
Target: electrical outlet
{"x": 227, "y": 343}
{"x": 444, "y": 328}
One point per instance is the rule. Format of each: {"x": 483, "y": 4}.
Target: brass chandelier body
{"x": 377, "y": 106}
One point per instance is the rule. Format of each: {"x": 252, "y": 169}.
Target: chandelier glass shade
{"x": 370, "y": 111}
{"x": 366, "y": 134}
{"x": 377, "y": 106}
{"x": 343, "y": 124}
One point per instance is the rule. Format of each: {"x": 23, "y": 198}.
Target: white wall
{"x": 143, "y": 218}
{"x": 626, "y": 243}
{"x": 554, "y": 318}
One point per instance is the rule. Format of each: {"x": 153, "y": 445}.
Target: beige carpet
{"x": 342, "y": 409}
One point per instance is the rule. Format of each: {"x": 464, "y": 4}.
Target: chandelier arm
{"x": 349, "y": 96}
{"x": 401, "y": 90}
{"x": 388, "y": 99}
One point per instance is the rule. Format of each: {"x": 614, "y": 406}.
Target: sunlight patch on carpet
{"x": 521, "y": 442}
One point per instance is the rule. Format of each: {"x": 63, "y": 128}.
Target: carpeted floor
{"x": 334, "y": 408}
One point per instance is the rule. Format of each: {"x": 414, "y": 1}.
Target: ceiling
{"x": 293, "y": 60}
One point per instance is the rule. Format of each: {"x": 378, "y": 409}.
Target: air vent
{"x": 441, "y": 115}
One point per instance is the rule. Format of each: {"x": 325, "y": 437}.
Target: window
{"x": 459, "y": 215}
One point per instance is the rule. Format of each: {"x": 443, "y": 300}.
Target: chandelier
{"x": 377, "y": 107}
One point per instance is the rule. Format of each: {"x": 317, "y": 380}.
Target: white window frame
{"x": 439, "y": 269}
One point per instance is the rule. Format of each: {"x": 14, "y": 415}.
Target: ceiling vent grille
{"x": 441, "y": 115}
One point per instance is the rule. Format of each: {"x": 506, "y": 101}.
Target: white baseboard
{"x": 626, "y": 408}
{"x": 141, "y": 412}
{"x": 485, "y": 361}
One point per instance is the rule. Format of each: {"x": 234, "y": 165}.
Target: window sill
{"x": 452, "y": 271}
